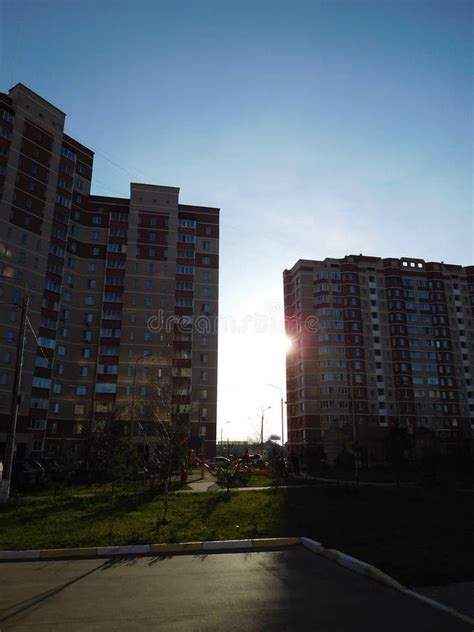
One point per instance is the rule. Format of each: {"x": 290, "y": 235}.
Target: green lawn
{"x": 420, "y": 538}
{"x": 130, "y": 487}
{"x": 259, "y": 481}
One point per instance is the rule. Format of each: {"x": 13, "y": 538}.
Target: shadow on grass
{"x": 113, "y": 507}
{"x": 415, "y": 536}
{"x": 18, "y": 513}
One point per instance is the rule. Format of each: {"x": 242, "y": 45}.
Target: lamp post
{"x": 222, "y": 430}
{"x": 132, "y": 420}
{"x": 15, "y": 401}
{"x": 281, "y": 404}
{"x": 354, "y": 425}
{"x": 261, "y": 430}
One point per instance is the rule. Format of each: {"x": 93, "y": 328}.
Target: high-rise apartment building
{"x": 377, "y": 343}
{"x": 112, "y": 283}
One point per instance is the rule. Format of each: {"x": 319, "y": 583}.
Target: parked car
{"x": 218, "y": 461}
{"x": 256, "y": 460}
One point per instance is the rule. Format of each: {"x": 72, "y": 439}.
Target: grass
{"x": 259, "y": 481}
{"x": 130, "y": 487}
{"x": 419, "y": 538}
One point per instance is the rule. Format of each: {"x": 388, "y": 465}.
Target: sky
{"x": 319, "y": 128}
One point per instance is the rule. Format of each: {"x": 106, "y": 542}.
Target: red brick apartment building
{"x": 96, "y": 269}
{"x": 379, "y": 342}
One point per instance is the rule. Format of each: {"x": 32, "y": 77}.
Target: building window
{"x": 105, "y": 387}
{"x": 79, "y": 409}
{"x": 39, "y": 402}
{"x": 81, "y": 390}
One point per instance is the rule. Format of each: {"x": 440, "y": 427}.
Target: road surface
{"x": 290, "y": 589}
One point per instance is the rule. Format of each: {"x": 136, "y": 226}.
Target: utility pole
{"x": 261, "y": 430}
{"x": 354, "y": 426}
{"x": 221, "y": 450}
{"x": 281, "y": 412}
{"x": 15, "y": 402}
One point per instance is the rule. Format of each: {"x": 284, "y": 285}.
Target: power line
{"x": 102, "y": 153}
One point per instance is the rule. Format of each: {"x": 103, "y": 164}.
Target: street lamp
{"x": 222, "y": 430}
{"x": 354, "y": 424}
{"x": 261, "y": 430}
{"x": 281, "y": 403}
{"x": 139, "y": 359}
{"x": 5, "y": 485}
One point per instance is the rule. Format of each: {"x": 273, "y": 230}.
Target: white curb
{"x": 374, "y": 573}
{"x": 227, "y": 544}
{"x": 350, "y": 562}
{"x": 440, "y": 606}
{"x": 20, "y": 555}
{"x": 312, "y": 545}
{"x": 123, "y": 550}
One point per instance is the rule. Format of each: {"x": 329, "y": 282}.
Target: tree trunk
{"x": 164, "y": 519}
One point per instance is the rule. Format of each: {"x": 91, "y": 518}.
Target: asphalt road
{"x": 291, "y": 589}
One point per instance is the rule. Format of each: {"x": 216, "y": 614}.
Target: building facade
{"x": 113, "y": 283}
{"x": 379, "y": 343}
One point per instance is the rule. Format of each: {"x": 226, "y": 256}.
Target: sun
{"x": 287, "y": 343}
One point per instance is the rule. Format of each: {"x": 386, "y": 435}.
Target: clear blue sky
{"x": 319, "y": 128}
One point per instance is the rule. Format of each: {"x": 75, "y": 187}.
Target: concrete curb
{"x": 374, "y": 573}
{"x": 144, "y": 549}
{"x": 347, "y": 561}
{"x": 20, "y": 555}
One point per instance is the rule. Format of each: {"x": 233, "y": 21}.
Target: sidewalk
{"x": 199, "y": 484}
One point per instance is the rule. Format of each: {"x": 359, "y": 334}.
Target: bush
{"x": 235, "y": 475}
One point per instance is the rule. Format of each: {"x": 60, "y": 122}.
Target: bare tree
{"x": 160, "y": 415}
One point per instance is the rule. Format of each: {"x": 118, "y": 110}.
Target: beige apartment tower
{"x": 379, "y": 343}
{"x": 113, "y": 283}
